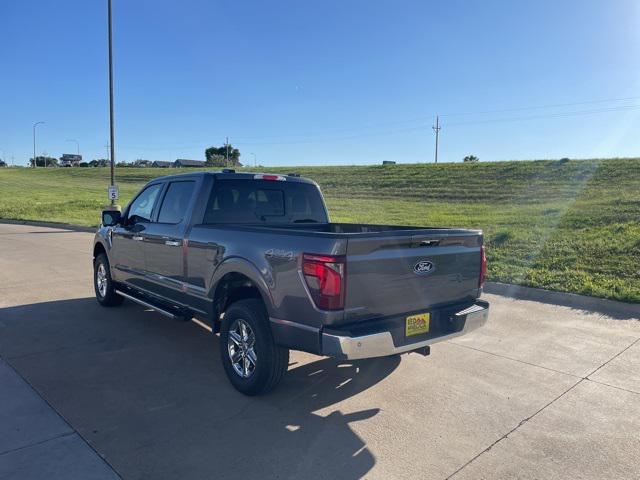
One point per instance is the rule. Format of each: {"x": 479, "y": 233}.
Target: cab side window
{"x": 142, "y": 207}
{"x": 175, "y": 202}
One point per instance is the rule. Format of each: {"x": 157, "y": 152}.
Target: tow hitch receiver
{"x": 424, "y": 351}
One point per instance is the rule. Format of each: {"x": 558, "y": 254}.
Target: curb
{"x": 611, "y": 308}
{"x": 66, "y": 226}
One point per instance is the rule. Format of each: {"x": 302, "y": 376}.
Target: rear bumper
{"x": 380, "y": 344}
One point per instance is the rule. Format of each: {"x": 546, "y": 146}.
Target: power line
{"x": 471, "y": 122}
{"x": 538, "y": 107}
{"x": 426, "y": 126}
{"x": 284, "y": 140}
{"x": 427, "y": 117}
{"x": 549, "y": 115}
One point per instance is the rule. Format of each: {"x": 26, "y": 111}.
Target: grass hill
{"x": 563, "y": 225}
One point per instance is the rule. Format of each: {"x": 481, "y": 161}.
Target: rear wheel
{"x": 102, "y": 283}
{"x": 252, "y": 361}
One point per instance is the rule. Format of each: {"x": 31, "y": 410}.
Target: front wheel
{"x": 252, "y": 361}
{"x": 102, "y": 283}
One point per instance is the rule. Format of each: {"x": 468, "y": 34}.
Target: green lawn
{"x": 572, "y": 226}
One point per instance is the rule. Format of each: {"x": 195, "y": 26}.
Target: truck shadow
{"x": 150, "y": 395}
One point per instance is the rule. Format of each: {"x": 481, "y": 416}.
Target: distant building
{"x": 181, "y": 162}
{"x": 161, "y": 164}
{"x": 70, "y": 160}
{"x": 388, "y": 162}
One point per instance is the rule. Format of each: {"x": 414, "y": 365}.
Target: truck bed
{"x": 382, "y": 277}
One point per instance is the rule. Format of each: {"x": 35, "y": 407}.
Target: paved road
{"x": 541, "y": 392}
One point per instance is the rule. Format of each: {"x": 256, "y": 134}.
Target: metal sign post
{"x": 111, "y": 127}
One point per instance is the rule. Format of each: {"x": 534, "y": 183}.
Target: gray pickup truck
{"x": 256, "y": 258}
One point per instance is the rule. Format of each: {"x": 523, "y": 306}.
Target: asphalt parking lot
{"x": 542, "y": 391}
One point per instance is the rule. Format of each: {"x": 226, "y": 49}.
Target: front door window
{"x": 142, "y": 207}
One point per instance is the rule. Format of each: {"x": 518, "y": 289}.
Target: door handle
{"x": 137, "y": 238}
{"x": 172, "y": 243}
{"x": 429, "y": 243}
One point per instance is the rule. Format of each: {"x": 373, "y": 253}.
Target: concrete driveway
{"x": 541, "y": 392}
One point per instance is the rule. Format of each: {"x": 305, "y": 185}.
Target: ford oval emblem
{"x": 423, "y": 267}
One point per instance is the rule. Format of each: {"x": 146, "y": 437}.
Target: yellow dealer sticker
{"x": 417, "y": 324}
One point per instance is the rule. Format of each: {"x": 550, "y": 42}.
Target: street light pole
{"x": 77, "y": 144}
{"x": 226, "y": 162}
{"x": 111, "y": 127}
{"x": 34, "y": 144}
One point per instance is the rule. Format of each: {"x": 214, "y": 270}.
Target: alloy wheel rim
{"x": 240, "y": 347}
{"x": 101, "y": 280}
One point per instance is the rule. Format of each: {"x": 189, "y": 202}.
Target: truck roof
{"x": 229, "y": 174}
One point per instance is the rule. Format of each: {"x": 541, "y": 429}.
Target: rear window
{"x": 264, "y": 201}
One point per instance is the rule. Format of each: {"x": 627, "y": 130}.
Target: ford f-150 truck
{"x": 256, "y": 258}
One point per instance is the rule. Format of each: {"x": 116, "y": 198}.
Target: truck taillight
{"x": 325, "y": 278}
{"x": 483, "y": 267}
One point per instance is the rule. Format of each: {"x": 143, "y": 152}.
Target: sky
{"x": 322, "y": 82}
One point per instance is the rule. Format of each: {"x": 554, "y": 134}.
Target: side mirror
{"x": 111, "y": 218}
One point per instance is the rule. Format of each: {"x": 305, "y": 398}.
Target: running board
{"x": 158, "y": 309}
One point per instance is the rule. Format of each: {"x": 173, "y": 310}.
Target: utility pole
{"x": 34, "y": 144}
{"x": 111, "y": 127}
{"x": 437, "y": 129}
{"x": 255, "y": 160}
{"x": 226, "y": 162}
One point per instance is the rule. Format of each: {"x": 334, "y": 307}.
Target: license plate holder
{"x": 417, "y": 324}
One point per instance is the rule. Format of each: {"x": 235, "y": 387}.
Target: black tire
{"x": 271, "y": 360}
{"x": 106, "y": 296}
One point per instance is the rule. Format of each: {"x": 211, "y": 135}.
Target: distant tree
{"x": 2, "y": 163}
{"x": 142, "y": 163}
{"x": 99, "y": 162}
{"x": 123, "y": 164}
{"x": 470, "y": 158}
{"x": 212, "y": 152}
{"x": 42, "y": 161}
{"x": 83, "y": 164}
{"x": 215, "y": 161}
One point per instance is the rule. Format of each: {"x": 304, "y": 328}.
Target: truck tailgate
{"x": 391, "y": 274}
